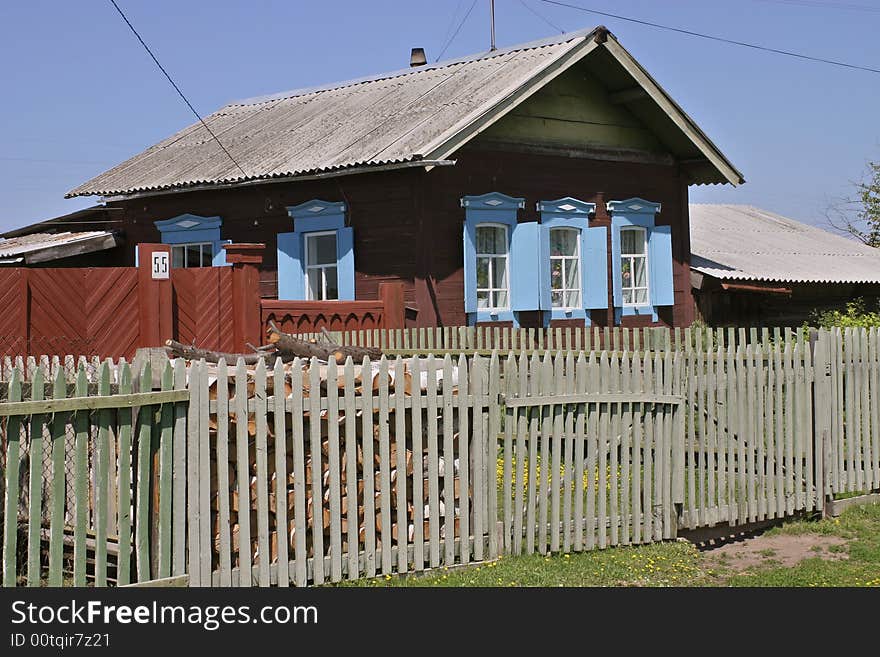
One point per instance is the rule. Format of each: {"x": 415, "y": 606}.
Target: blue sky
{"x": 81, "y": 94}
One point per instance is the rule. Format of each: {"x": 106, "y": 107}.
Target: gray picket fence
{"x": 455, "y": 340}
{"x": 312, "y": 473}
{"x": 847, "y": 383}
{"x": 592, "y": 451}
{"x": 354, "y": 471}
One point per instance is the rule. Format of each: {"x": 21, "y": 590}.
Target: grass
{"x": 678, "y": 563}
{"x": 859, "y": 526}
{"x": 662, "y": 564}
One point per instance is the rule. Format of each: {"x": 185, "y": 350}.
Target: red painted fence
{"x": 311, "y": 316}
{"x": 111, "y": 311}
{"x": 69, "y": 311}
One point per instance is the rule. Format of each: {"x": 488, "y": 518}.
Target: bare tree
{"x": 859, "y": 216}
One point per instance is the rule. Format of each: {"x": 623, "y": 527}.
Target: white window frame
{"x": 186, "y": 245}
{"x": 492, "y": 290}
{"x": 323, "y": 268}
{"x": 631, "y": 258}
{"x": 577, "y": 258}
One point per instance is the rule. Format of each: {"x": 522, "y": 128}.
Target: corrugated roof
{"x": 741, "y": 242}
{"x": 405, "y": 117}
{"x": 96, "y": 214}
{"x": 23, "y": 248}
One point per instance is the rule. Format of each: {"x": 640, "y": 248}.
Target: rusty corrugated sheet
{"x": 20, "y": 246}
{"x": 740, "y": 242}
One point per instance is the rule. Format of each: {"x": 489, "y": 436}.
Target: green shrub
{"x": 856, "y": 315}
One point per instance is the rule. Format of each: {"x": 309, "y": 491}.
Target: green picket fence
{"x": 87, "y": 473}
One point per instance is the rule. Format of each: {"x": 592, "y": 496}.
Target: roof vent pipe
{"x": 417, "y": 57}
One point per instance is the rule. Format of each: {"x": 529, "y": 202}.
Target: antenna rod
{"x": 492, "y": 19}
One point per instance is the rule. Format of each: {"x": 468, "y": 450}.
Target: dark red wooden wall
{"x": 408, "y": 223}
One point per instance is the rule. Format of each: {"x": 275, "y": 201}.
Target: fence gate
{"x": 750, "y": 453}
{"x": 592, "y": 451}
{"x": 848, "y": 394}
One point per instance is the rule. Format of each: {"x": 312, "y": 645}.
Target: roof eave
{"x": 740, "y": 276}
{"x": 114, "y": 195}
{"x": 79, "y": 247}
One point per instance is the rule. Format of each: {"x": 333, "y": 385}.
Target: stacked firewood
{"x": 356, "y": 488}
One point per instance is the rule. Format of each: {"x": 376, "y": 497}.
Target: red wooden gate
{"x": 203, "y": 309}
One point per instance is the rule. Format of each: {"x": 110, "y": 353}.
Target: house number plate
{"x": 160, "y": 265}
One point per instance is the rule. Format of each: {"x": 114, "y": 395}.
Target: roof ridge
{"x": 388, "y": 75}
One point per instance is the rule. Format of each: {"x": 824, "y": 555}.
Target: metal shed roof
{"x": 413, "y": 117}
{"x": 741, "y": 242}
{"x": 43, "y": 247}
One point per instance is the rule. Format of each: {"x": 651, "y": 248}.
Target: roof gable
{"x": 416, "y": 117}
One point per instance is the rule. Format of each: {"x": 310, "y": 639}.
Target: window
{"x": 321, "y": 266}
{"x": 196, "y": 254}
{"x": 499, "y": 259}
{"x": 492, "y": 275}
{"x": 642, "y": 259}
{"x": 573, "y": 261}
{"x": 565, "y": 275}
{"x": 195, "y": 241}
{"x": 634, "y": 266}
{"x": 316, "y": 260}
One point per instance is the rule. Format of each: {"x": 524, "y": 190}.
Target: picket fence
{"x": 87, "y": 485}
{"x": 592, "y": 451}
{"x": 455, "y": 340}
{"x": 310, "y": 473}
{"x": 354, "y": 473}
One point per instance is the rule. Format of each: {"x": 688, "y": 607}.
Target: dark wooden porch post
{"x": 247, "y": 324}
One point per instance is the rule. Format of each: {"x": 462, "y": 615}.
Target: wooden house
{"x": 543, "y": 184}
{"x": 751, "y": 267}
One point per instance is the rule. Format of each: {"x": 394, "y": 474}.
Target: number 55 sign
{"x": 160, "y": 265}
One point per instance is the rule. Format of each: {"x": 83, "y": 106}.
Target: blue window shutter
{"x": 545, "y": 300}
{"x": 615, "y": 269}
{"x": 526, "y": 277}
{"x": 219, "y": 259}
{"x": 660, "y": 258}
{"x": 594, "y": 265}
{"x": 470, "y": 269}
{"x": 291, "y": 277}
{"x": 345, "y": 263}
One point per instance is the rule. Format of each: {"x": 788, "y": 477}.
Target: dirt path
{"x": 784, "y": 550}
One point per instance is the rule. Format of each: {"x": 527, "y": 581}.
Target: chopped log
{"x": 179, "y": 350}
{"x": 289, "y": 345}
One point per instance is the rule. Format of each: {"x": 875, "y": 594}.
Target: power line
{"x": 824, "y": 5}
{"x": 541, "y": 16}
{"x": 457, "y": 30}
{"x": 714, "y": 38}
{"x": 452, "y": 21}
{"x": 176, "y": 88}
